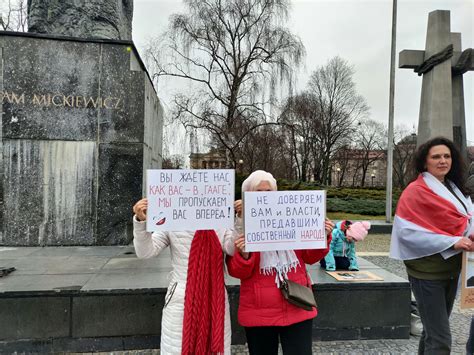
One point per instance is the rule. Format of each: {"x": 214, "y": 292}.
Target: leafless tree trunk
{"x": 13, "y": 15}
{"x": 342, "y": 159}
{"x": 403, "y": 152}
{"x": 230, "y": 52}
{"x": 300, "y": 114}
{"x": 339, "y": 106}
{"x": 369, "y": 138}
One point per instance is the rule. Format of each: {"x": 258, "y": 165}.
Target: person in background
{"x": 267, "y": 317}
{"x": 196, "y": 318}
{"x": 470, "y": 341}
{"x": 432, "y": 226}
{"x": 342, "y": 251}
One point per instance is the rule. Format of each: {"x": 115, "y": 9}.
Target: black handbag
{"x": 298, "y": 295}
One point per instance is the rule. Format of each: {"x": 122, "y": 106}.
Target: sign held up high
{"x": 190, "y": 199}
{"x": 284, "y": 220}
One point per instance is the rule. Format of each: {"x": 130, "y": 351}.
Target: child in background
{"x": 342, "y": 253}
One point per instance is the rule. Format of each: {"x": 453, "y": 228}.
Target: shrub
{"x": 364, "y": 201}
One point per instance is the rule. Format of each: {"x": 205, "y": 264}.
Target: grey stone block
{"x": 127, "y": 280}
{"x": 38, "y": 284}
{"x": 27, "y": 347}
{"x": 14, "y": 252}
{"x": 371, "y": 305}
{"x": 87, "y": 345}
{"x": 53, "y": 200}
{"x": 80, "y": 124}
{"x": 93, "y": 18}
{"x": 102, "y": 316}
{"x": 34, "y": 318}
{"x": 47, "y": 77}
{"x": 120, "y": 166}
{"x": 126, "y": 90}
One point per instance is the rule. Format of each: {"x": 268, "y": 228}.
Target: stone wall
{"x": 82, "y": 18}
{"x": 80, "y": 123}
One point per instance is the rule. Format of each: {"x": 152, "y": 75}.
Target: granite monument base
{"x": 84, "y": 299}
{"x": 80, "y": 123}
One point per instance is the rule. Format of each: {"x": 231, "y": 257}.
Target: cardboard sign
{"x": 467, "y": 280}
{"x": 344, "y": 275}
{"x": 284, "y": 220}
{"x": 190, "y": 199}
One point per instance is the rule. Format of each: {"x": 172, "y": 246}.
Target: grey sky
{"x": 356, "y": 30}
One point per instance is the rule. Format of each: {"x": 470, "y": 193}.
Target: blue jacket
{"x": 341, "y": 247}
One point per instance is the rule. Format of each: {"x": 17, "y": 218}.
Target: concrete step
{"x": 84, "y": 299}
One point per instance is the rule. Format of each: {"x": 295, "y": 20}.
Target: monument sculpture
{"x": 81, "y": 122}
{"x": 84, "y": 18}
{"x": 442, "y": 64}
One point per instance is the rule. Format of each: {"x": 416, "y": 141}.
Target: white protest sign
{"x": 284, "y": 220}
{"x": 190, "y": 199}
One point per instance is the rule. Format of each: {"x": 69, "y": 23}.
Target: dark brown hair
{"x": 457, "y": 171}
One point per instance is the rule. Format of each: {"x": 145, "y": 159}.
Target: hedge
{"x": 365, "y": 201}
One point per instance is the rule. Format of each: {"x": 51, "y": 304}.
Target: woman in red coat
{"x": 265, "y": 314}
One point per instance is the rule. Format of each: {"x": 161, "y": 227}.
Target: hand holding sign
{"x": 463, "y": 244}
{"x": 328, "y": 226}
{"x": 240, "y": 246}
{"x": 238, "y": 207}
{"x": 140, "y": 209}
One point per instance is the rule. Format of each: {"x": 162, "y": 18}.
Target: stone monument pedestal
{"x": 80, "y": 122}
{"x": 78, "y": 299}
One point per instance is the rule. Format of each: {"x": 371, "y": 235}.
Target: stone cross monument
{"x": 442, "y": 65}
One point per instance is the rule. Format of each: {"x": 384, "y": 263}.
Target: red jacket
{"x": 261, "y": 302}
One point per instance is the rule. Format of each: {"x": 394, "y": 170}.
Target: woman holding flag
{"x": 433, "y": 224}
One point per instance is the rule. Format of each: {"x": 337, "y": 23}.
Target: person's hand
{"x": 240, "y": 245}
{"x": 463, "y": 244}
{"x": 140, "y": 209}
{"x": 329, "y": 226}
{"x": 238, "y": 207}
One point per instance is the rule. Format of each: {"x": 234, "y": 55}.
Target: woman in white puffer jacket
{"x": 149, "y": 245}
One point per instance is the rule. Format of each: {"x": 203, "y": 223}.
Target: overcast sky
{"x": 356, "y": 30}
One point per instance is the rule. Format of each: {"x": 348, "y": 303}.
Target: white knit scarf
{"x": 279, "y": 262}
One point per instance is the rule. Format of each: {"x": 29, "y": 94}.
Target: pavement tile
{"x": 135, "y": 279}
{"x": 21, "y": 283}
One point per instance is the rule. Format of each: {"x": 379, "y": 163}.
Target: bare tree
{"x": 300, "y": 115}
{"x": 342, "y": 161}
{"x": 173, "y": 162}
{"x": 403, "y": 153}
{"x": 369, "y": 138}
{"x": 264, "y": 148}
{"x": 231, "y": 51}
{"x": 13, "y": 15}
{"x": 339, "y": 107}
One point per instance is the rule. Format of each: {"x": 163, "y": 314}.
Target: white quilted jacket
{"x": 148, "y": 245}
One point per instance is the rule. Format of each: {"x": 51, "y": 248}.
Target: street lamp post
{"x": 241, "y": 166}
{"x": 338, "y": 171}
{"x": 373, "y": 177}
